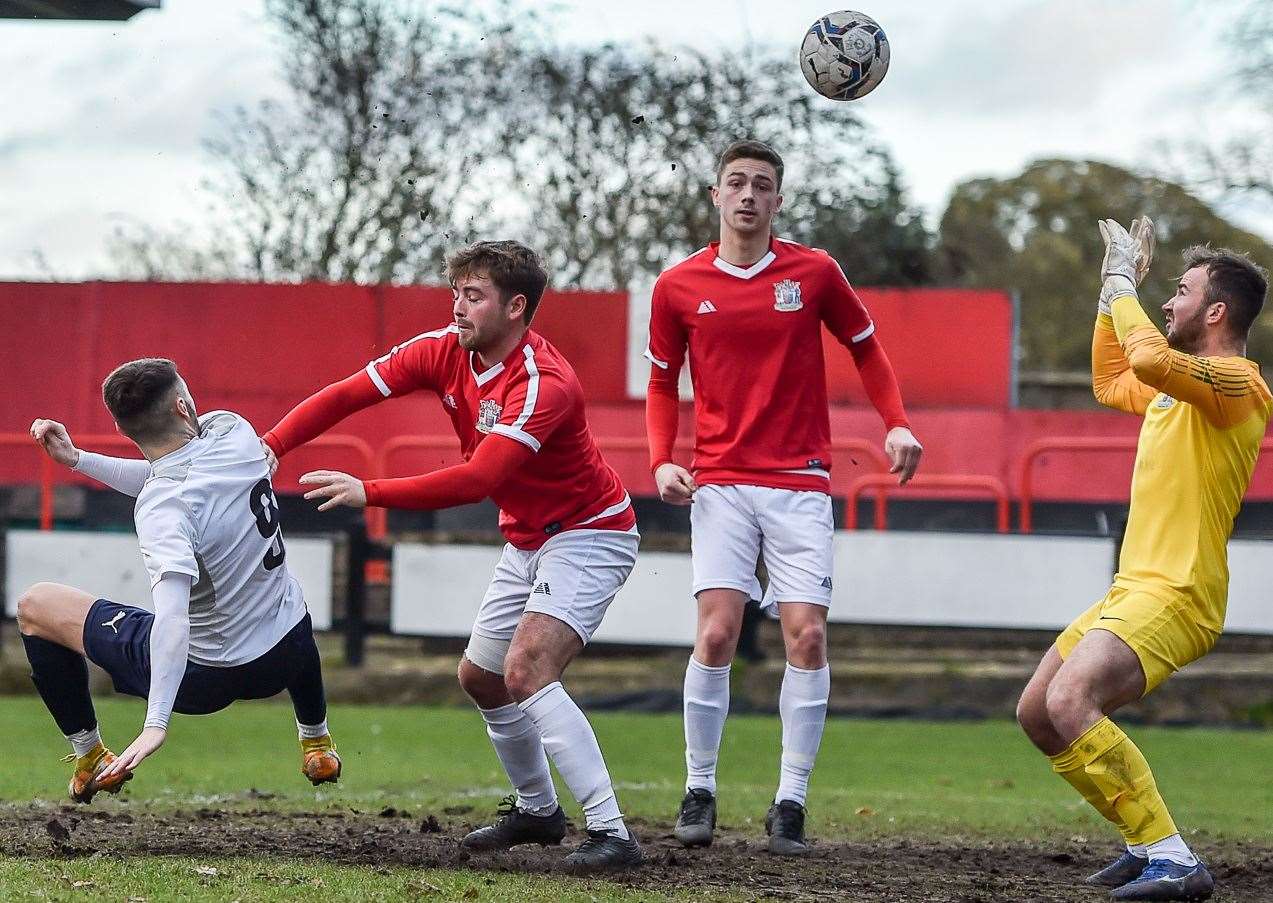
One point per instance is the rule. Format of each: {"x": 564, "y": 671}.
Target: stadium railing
{"x": 885, "y": 483}
{"x": 1069, "y": 445}
{"x": 47, "y": 469}
{"x": 114, "y": 442}
{"x": 377, "y": 519}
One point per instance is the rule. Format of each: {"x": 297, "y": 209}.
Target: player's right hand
{"x": 1128, "y": 254}
{"x": 676, "y": 485}
{"x": 271, "y": 459}
{"x": 56, "y": 441}
{"x": 1143, "y": 233}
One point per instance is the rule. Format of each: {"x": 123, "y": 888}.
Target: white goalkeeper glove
{"x": 1127, "y": 258}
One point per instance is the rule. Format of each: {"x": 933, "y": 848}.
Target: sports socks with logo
{"x": 1111, "y": 773}
{"x": 521, "y": 752}
{"x": 570, "y": 743}
{"x": 802, "y": 703}
{"x": 706, "y": 703}
{"x": 60, "y": 676}
{"x": 84, "y": 742}
{"x": 312, "y": 731}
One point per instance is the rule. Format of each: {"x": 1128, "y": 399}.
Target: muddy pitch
{"x": 893, "y": 869}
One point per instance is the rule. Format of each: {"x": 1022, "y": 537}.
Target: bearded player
{"x": 517, "y": 408}
{"x": 229, "y": 621}
{"x": 749, "y": 310}
{"x": 1205, "y": 410}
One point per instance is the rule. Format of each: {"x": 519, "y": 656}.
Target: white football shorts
{"x": 573, "y": 577}
{"x": 731, "y": 525}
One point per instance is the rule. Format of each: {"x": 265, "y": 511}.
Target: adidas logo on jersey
{"x": 826, "y": 582}
{"x": 706, "y": 307}
{"x": 542, "y": 588}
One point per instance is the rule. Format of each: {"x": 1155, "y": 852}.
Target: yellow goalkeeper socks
{"x": 1114, "y": 766}
{"x": 1069, "y": 764}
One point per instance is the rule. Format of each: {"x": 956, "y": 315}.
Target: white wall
{"x": 109, "y": 566}
{"x": 1250, "y": 587}
{"x": 437, "y": 590}
{"x": 973, "y": 580}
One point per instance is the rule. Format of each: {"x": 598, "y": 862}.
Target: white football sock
{"x": 521, "y": 752}
{"x": 706, "y": 705}
{"x": 1138, "y": 849}
{"x": 312, "y": 731}
{"x": 572, "y": 746}
{"x": 802, "y": 703}
{"x": 1173, "y": 848}
{"x": 84, "y": 742}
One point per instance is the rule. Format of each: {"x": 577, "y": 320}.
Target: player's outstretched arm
{"x": 169, "y": 650}
{"x": 1113, "y": 382}
{"x": 319, "y": 413}
{"x": 496, "y": 459}
{"x": 1128, "y": 255}
{"x": 126, "y": 475}
{"x": 1225, "y": 391}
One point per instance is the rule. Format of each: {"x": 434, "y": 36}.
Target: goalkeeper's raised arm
{"x": 1201, "y": 359}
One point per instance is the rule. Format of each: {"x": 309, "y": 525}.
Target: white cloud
{"x": 110, "y": 118}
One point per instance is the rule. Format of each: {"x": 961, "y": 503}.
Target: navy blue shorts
{"x": 117, "y": 639}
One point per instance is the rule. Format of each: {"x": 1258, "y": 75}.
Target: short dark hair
{"x": 137, "y": 395}
{"x": 514, "y": 268}
{"x": 1235, "y": 279}
{"x": 750, "y": 150}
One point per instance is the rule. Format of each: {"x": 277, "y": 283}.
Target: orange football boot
{"x": 320, "y": 763}
{"x": 84, "y": 783}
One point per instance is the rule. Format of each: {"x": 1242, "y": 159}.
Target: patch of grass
{"x": 874, "y": 777}
{"x": 167, "y": 878}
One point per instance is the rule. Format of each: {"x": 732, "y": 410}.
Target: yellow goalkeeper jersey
{"x": 1204, "y": 420}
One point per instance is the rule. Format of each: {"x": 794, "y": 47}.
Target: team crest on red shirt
{"x": 487, "y": 415}
{"x": 787, "y": 295}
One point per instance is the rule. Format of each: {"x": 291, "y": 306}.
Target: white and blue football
{"x": 844, "y": 55}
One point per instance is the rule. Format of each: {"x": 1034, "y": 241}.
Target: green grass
{"x": 874, "y": 778}
{"x": 177, "y": 877}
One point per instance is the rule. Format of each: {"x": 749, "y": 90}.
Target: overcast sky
{"x": 101, "y": 122}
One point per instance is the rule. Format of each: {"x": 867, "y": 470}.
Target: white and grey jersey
{"x": 208, "y": 510}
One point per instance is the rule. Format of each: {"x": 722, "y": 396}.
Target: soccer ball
{"x": 844, "y": 55}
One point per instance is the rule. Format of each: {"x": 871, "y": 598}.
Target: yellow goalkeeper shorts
{"x": 1161, "y": 627}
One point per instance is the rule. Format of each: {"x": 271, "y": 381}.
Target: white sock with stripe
{"x": 312, "y": 731}
{"x": 521, "y": 752}
{"x": 802, "y": 704}
{"x": 706, "y": 704}
{"x": 568, "y": 738}
{"x": 1173, "y": 848}
{"x": 84, "y": 742}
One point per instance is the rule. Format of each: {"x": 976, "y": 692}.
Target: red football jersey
{"x": 533, "y": 396}
{"x": 755, "y": 352}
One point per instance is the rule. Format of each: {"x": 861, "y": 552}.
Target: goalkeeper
{"x": 1205, "y": 409}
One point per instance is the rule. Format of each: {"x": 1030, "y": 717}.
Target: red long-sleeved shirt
{"x": 753, "y": 340}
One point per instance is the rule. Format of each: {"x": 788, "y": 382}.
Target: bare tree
{"x": 1035, "y": 232}
{"x": 621, "y": 146}
{"x": 368, "y": 171}
{"x": 1240, "y": 168}
{"x": 405, "y": 133}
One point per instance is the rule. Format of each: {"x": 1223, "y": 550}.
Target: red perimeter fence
{"x": 258, "y": 349}
{"x": 19, "y": 446}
